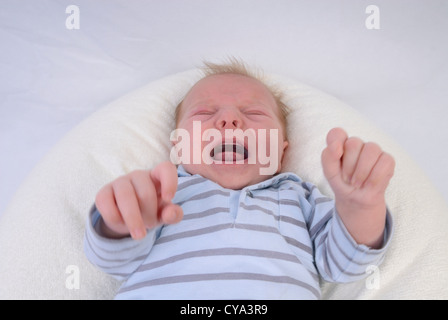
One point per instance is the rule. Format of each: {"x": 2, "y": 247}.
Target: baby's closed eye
{"x": 254, "y": 112}
{"x": 203, "y": 112}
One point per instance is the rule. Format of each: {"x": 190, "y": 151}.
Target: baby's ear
{"x": 285, "y": 147}
{"x": 174, "y": 137}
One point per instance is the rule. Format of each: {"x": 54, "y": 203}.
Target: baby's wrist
{"x": 365, "y": 224}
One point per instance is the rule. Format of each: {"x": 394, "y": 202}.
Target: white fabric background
{"x": 51, "y": 78}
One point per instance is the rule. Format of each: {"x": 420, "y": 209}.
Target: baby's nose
{"x": 229, "y": 120}
{"x": 225, "y": 124}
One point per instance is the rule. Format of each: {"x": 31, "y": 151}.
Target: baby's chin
{"x": 235, "y": 184}
{"x": 235, "y": 177}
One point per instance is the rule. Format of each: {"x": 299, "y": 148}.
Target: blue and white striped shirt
{"x": 271, "y": 240}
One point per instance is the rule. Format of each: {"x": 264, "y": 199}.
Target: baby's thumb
{"x": 171, "y": 214}
{"x": 332, "y": 154}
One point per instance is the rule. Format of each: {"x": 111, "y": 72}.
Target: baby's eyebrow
{"x": 203, "y": 102}
{"x": 255, "y": 105}
{"x": 262, "y": 107}
{"x": 210, "y": 103}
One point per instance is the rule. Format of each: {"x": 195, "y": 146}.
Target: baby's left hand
{"x": 359, "y": 174}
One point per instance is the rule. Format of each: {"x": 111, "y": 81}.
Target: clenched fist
{"x": 138, "y": 201}
{"x": 359, "y": 174}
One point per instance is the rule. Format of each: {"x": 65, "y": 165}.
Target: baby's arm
{"x": 359, "y": 174}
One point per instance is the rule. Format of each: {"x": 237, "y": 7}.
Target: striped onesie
{"x": 272, "y": 240}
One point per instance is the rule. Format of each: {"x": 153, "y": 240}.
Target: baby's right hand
{"x": 138, "y": 201}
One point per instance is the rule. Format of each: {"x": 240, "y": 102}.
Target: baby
{"x": 222, "y": 226}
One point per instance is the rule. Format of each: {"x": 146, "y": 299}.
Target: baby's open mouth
{"x": 229, "y": 152}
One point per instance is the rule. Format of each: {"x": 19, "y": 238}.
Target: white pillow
{"x": 41, "y": 234}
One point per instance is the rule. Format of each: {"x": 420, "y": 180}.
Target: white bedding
{"x": 41, "y": 235}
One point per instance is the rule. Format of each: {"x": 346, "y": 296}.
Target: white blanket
{"x": 41, "y": 234}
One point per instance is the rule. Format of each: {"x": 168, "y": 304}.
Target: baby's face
{"x": 219, "y": 105}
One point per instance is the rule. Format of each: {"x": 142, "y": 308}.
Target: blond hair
{"x": 238, "y": 67}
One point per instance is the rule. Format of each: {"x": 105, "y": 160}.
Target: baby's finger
{"x": 128, "y": 205}
{"x": 336, "y": 135}
{"x": 352, "y": 150}
{"x": 164, "y": 177}
{"x": 106, "y": 204}
{"x": 147, "y": 197}
{"x": 382, "y": 172}
{"x": 369, "y": 155}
